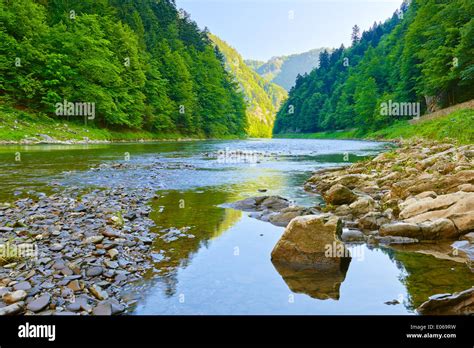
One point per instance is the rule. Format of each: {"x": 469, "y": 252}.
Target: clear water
{"x": 224, "y": 267}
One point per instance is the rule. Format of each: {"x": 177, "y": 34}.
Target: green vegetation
{"x": 457, "y": 126}
{"x": 284, "y": 70}
{"x": 423, "y": 54}
{"x": 17, "y": 125}
{"x": 263, "y": 98}
{"x": 145, "y": 66}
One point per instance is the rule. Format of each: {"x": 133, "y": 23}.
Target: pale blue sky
{"x": 260, "y": 29}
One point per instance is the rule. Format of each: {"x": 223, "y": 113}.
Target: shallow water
{"x": 221, "y": 262}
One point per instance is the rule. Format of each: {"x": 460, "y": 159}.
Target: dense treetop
{"x": 423, "y": 54}
{"x": 143, "y": 63}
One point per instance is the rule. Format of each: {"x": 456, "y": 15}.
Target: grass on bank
{"x": 17, "y": 125}
{"x": 457, "y": 126}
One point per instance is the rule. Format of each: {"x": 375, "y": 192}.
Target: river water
{"x": 214, "y": 260}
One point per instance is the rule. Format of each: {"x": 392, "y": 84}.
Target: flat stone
{"x": 98, "y": 292}
{"x": 13, "y": 297}
{"x": 94, "y": 271}
{"x": 93, "y": 239}
{"x": 22, "y": 286}
{"x": 56, "y": 247}
{"x": 39, "y": 304}
{"x": 111, "y": 264}
{"x": 102, "y": 309}
{"x": 74, "y": 285}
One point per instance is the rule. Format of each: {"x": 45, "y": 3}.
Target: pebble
{"x": 22, "y": 286}
{"x": 94, "y": 271}
{"x": 39, "y": 304}
{"x": 102, "y": 309}
{"x": 12, "y": 297}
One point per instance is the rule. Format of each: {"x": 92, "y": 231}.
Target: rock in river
{"x": 311, "y": 241}
{"x": 449, "y": 304}
{"x": 339, "y": 194}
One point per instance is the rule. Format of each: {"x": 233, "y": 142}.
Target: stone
{"x": 439, "y": 229}
{"x": 22, "y": 286}
{"x": 339, "y": 194}
{"x": 93, "y": 239}
{"x": 372, "y": 221}
{"x": 457, "y": 207}
{"x": 351, "y": 235}
{"x": 39, "y": 304}
{"x": 112, "y": 253}
{"x": 102, "y": 309}
{"x": 275, "y": 203}
{"x": 94, "y": 271}
{"x": 307, "y": 240}
{"x": 402, "y": 229}
{"x": 98, "y": 292}
{"x": 459, "y": 303}
{"x": 13, "y": 297}
{"x": 56, "y": 247}
{"x": 12, "y": 309}
{"x": 111, "y": 264}
{"x": 284, "y": 217}
{"x": 363, "y": 205}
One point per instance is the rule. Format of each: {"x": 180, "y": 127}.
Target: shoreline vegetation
{"x": 27, "y": 127}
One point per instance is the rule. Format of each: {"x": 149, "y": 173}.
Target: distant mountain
{"x": 283, "y": 70}
{"x": 263, "y": 98}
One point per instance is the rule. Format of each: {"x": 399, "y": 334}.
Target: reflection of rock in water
{"x": 319, "y": 283}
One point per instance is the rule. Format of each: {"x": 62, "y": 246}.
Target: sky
{"x": 261, "y": 29}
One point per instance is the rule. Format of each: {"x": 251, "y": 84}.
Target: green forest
{"x": 144, "y": 64}
{"x": 262, "y": 97}
{"x": 423, "y": 54}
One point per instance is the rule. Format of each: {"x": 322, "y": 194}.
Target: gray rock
{"x": 39, "y": 304}
{"x": 102, "y": 309}
{"x": 94, "y": 271}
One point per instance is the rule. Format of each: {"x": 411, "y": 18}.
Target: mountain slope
{"x": 283, "y": 70}
{"x": 141, "y": 64}
{"x": 420, "y": 59}
{"x": 263, "y": 98}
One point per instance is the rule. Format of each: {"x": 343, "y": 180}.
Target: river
{"x": 216, "y": 260}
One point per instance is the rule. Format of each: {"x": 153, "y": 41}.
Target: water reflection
{"x": 321, "y": 284}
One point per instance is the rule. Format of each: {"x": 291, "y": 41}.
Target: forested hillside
{"x": 263, "y": 98}
{"x": 423, "y": 54}
{"x": 143, "y": 64}
{"x": 283, "y": 70}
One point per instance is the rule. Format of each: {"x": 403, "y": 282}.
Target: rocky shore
{"x": 419, "y": 193}
{"x": 74, "y": 254}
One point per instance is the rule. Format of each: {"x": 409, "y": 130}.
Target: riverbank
{"x": 27, "y": 127}
{"x": 457, "y": 127}
{"x": 418, "y": 197}
{"x": 71, "y": 253}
